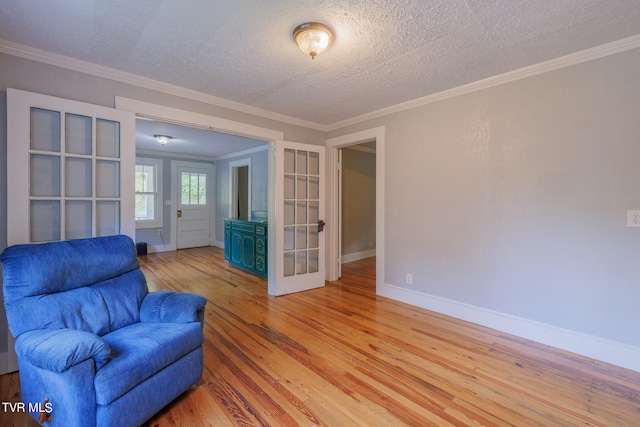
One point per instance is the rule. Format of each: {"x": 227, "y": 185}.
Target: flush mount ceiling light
{"x": 312, "y": 38}
{"x": 163, "y": 139}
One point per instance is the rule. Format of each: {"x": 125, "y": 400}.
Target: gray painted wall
{"x": 358, "y": 201}
{"x": 259, "y": 187}
{"x": 514, "y": 198}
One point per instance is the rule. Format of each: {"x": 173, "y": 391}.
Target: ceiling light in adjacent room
{"x": 163, "y": 139}
{"x": 312, "y": 38}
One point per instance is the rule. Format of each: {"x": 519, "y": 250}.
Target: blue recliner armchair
{"x": 91, "y": 339}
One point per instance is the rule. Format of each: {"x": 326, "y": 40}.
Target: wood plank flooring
{"x": 341, "y": 356}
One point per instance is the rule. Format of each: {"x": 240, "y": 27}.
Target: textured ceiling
{"x": 384, "y": 52}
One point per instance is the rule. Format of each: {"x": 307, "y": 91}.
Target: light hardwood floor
{"x": 341, "y": 356}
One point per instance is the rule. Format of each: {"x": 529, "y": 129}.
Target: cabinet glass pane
{"x": 78, "y": 177}
{"x": 45, "y": 130}
{"x": 107, "y": 178}
{"x": 313, "y": 261}
{"x": 107, "y": 138}
{"x": 301, "y": 162}
{"x": 44, "y": 175}
{"x": 289, "y": 212}
{"x": 107, "y": 218}
{"x": 289, "y": 186}
{"x": 289, "y": 264}
{"x": 314, "y": 163}
{"x": 44, "y": 220}
{"x": 301, "y": 262}
{"x": 301, "y": 187}
{"x": 289, "y": 161}
{"x": 77, "y": 134}
{"x": 77, "y": 219}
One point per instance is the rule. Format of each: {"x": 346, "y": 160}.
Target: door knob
{"x": 321, "y": 225}
{"x": 180, "y": 213}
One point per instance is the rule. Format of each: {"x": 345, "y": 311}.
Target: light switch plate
{"x": 633, "y": 218}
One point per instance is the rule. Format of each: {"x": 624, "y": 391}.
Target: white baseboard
{"x": 217, "y": 244}
{"x": 357, "y": 256}
{"x": 609, "y": 351}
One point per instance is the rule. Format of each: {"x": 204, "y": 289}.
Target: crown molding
{"x": 597, "y": 52}
{"x": 27, "y": 52}
{"x": 58, "y": 60}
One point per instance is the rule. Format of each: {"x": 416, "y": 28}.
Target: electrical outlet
{"x": 633, "y": 218}
{"x": 409, "y": 279}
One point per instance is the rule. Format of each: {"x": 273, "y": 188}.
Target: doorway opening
{"x": 374, "y": 137}
{"x": 357, "y": 177}
{"x": 240, "y": 205}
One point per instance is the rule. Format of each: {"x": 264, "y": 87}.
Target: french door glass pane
{"x": 77, "y": 219}
{"x": 45, "y": 220}
{"x": 44, "y": 175}
{"x": 45, "y": 130}
{"x": 77, "y": 134}
{"x": 78, "y": 179}
{"x": 107, "y": 218}
{"x": 289, "y": 212}
{"x": 107, "y": 178}
{"x": 107, "y": 138}
{"x": 314, "y": 163}
{"x": 289, "y": 161}
{"x": 289, "y": 186}
{"x": 313, "y": 261}
{"x": 289, "y": 264}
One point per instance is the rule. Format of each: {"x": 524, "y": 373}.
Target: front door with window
{"x": 194, "y": 206}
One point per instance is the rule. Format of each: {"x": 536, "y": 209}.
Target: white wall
{"x": 512, "y": 200}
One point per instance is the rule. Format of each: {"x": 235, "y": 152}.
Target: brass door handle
{"x": 321, "y": 225}
{"x": 180, "y": 213}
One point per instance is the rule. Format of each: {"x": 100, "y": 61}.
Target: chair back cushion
{"x": 92, "y": 284}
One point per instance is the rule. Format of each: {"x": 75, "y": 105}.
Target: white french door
{"x": 194, "y": 205}
{"x": 70, "y": 169}
{"x": 70, "y": 173}
{"x": 298, "y": 227}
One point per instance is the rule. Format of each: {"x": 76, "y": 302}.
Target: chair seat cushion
{"x": 140, "y": 350}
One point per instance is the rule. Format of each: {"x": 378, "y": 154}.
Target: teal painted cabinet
{"x": 245, "y": 245}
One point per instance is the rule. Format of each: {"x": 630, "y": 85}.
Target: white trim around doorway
{"x": 333, "y": 238}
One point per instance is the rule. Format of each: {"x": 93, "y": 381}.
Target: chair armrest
{"x": 59, "y": 349}
{"x": 172, "y": 307}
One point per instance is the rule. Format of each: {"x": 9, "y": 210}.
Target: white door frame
{"x": 333, "y": 205}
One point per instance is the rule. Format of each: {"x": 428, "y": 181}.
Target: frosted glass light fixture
{"x": 313, "y": 38}
{"x": 163, "y": 139}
